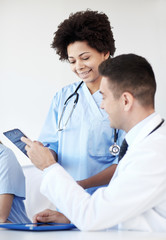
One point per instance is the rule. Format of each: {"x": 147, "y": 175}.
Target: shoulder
{"x": 65, "y": 92}
{"x": 158, "y": 136}
{"x": 68, "y": 88}
{"x": 151, "y": 150}
{"x": 5, "y": 152}
{"x": 8, "y": 158}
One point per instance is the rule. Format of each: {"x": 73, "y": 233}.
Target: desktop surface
{"x": 6, "y": 234}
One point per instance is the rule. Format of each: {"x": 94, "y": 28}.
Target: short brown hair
{"x": 131, "y": 73}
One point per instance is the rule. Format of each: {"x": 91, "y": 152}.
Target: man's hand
{"x": 48, "y": 215}
{"x": 40, "y": 156}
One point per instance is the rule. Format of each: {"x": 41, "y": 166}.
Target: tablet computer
{"x": 38, "y": 226}
{"x": 14, "y": 136}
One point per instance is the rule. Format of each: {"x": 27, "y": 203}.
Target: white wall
{"x": 30, "y": 71}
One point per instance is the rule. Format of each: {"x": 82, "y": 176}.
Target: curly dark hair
{"x": 90, "y": 26}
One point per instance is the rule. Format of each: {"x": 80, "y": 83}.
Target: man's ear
{"x": 127, "y": 101}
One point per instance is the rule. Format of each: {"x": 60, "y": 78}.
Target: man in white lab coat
{"x": 135, "y": 198}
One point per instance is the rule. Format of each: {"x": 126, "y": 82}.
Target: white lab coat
{"x": 135, "y": 198}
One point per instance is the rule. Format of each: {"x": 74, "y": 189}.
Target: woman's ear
{"x": 127, "y": 101}
{"x": 106, "y": 55}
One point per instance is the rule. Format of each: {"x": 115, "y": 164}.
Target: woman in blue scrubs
{"x": 85, "y": 39}
{"x": 12, "y": 188}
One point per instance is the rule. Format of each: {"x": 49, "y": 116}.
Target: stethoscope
{"x": 115, "y": 149}
{"x": 162, "y": 121}
{"x": 75, "y": 93}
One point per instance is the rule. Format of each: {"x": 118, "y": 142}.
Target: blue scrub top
{"x": 12, "y": 181}
{"x": 83, "y": 147}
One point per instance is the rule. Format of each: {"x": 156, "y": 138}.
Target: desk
{"x": 6, "y": 234}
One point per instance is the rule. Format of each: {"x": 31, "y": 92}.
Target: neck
{"x": 137, "y": 117}
{"x": 93, "y": 86}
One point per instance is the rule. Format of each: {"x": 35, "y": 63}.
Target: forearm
{"x": 100, "y": 179}
{"x": 127, "y": 197}
{"x": 5, "y": 206}
{"x": 82, "y": 209}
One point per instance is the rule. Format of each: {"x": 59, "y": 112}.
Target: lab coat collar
{"x": 137, "y": 134}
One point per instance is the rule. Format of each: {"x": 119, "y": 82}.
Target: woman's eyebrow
{"x": 79, "y": 55}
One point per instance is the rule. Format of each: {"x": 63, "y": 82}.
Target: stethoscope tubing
{"x": 64, "y": 107}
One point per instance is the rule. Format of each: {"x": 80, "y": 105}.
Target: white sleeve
{"x": 138, "y": 188}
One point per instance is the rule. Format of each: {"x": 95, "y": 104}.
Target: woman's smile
{"x": 84, "y": 74}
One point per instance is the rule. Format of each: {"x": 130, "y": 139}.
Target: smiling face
{"x": 84, "y": 61}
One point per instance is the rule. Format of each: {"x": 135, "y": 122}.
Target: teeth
{"x": 84, "y": 73}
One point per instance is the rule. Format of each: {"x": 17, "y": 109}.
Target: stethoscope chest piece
{"x": 114, "y": 149}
